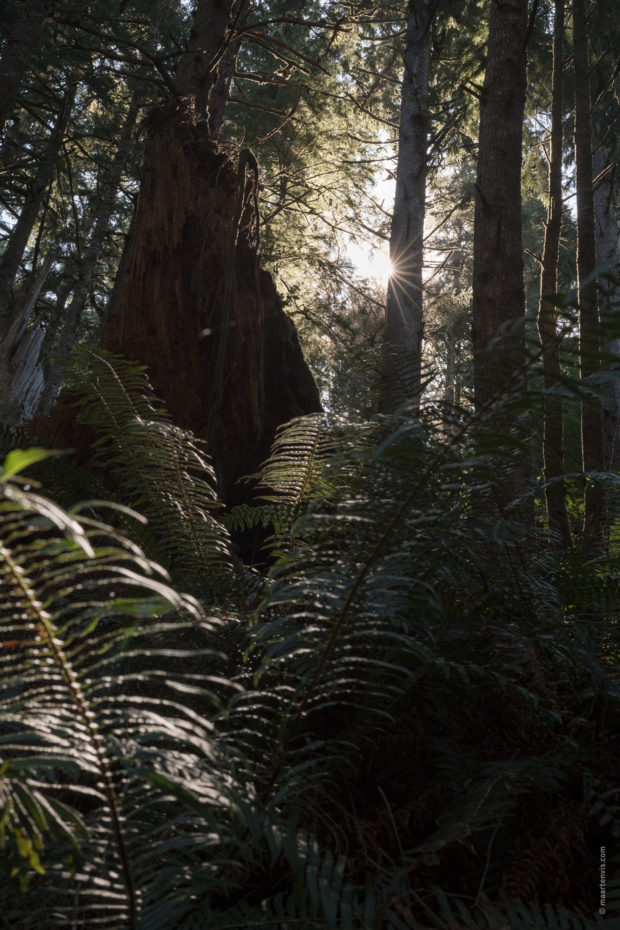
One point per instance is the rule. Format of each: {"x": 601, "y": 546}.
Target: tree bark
{"x": 404, "y": 306}
{"x": 498, "y": 290}
{"x": 498, "y": 294}
{"x": 553, "y": 453}
{"x": 14, "y": 252}
{"x": 22, "y": 43}
{"x": 205, "y": 70}
{"x": 195, "y": 306}
{"x": 22, "y": 377}
{"x": 589, "y": 327}
{"x": 607, "y": 258}
{"x": 191, "y": 301}
{"x": 220, "y": 91}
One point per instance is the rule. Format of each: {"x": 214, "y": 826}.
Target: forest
{"x": 310, "y": 445}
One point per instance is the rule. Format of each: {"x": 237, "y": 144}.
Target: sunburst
{"x": 372, "y": 264}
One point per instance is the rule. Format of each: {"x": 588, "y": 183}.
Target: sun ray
{"x": 373, "y": 264}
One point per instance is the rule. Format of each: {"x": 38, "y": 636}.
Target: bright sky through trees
{"x": 371, "y": 259}
{"x": 371, "y": 263}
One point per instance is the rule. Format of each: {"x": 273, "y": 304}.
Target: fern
{"x": 77, "y": 728}
{"x": 410, "y": 707}
{"x": 121, "y": 806}
{"x": 360, "y": 620}
{"x": 447, "y": 911}
{"x": 159, "y": 469}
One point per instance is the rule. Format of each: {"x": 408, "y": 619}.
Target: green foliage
{"x": 73, "y": 595}
{"x": 421, "y": 699}
{"x": 157, "y": 468}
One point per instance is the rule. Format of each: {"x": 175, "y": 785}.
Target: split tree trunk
{"x": 404, "y": 320}
{"x": 194, "y": 305}
{"x": 191, "y": 301}
{"x": 589, "y": 327}
{"x": 22, "y": 44}
{"x": 553, "y": 454}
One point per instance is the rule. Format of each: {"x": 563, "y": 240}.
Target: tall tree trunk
{"x": 589, "y": 328}
{"x": 22, "y": 43}
{"x": 498, "y": 294}
{"x": 404, "y": 306}
{"x": 106, "y": 207}
{"x": 607, "y": 258}
{"x": 553, "y": 455}
{"x": 195, "y": 307}
{"x": 14, "y": 252}
{"x": 498, "y": 291}
{"x": 205, "y": 70}
{"x": 220, "y": 92}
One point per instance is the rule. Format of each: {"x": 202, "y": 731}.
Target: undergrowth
{"x": 408, "y": 721}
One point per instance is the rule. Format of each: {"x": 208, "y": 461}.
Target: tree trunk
{"x": 553, "y": 455}
{"x": 607, "y": 257}
{"x": 404, "y": 306}
{"x": 498, "y": 291}
{"x": 195, "y": 306}
{"x": 220, "y": 91}
{"x": 498, "y": 295}
{"x": 205, "y": 70}
{"x": 22, "y": 43}
{"x": 193, "y": 303}
{"x": 106, "y": 207}
{"x": 21, "y": 374}
{"x": 589, "y": 328}
{"x": 14, "y": 252}
{"x": 190, "y": 300}
{"x": 100, "y": 225}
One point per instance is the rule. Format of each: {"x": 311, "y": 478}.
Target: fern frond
{"x": 445, "y": 911}
{"x": 78, "y": 709}
{"x": 160, "y": 470}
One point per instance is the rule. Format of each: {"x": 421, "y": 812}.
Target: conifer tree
{"x": 498, "y": 297}
{"x": 589, "y": 324}
{"x": 547, "y": 311}
{"x": 404, "y": 319}
{"x": 16, "y": 246}
{"x": 21, "y": 44}
{"x": 498, "y": 288}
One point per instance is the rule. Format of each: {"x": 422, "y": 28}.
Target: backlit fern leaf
{"x": 160, "y": 469}
{"x": 69, "y": 589}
